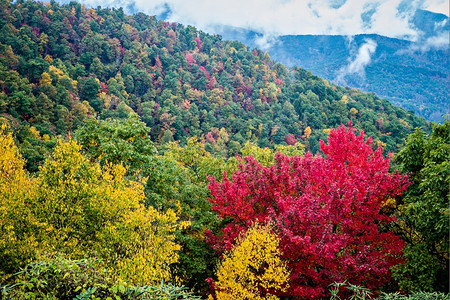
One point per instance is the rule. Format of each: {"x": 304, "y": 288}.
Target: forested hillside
{"x": 60, "y": 64}
{"x": 141, "y": 159}
{"x": 412, "y": 75}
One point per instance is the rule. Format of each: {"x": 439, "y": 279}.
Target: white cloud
{"x": 432, "y": 43}
{"x": 437, "y": 6}
{"x": 360, "y": 62}
{"x": 275, "y": 17}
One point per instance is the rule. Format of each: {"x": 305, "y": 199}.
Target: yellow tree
{"x": 307, "y": 132}
{"x": 254, "y": 268}
{"x": 265, "y": 156}
{"x": 90, "y": 211}
{"x": 77, "y": 208}
{"x": 17, "y": 244}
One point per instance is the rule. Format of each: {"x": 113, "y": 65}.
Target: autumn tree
{"x": 327, "y": 210}
{"x": 80, "y": 209}
{"x": 17, "y": 243}
{"x": 253, "y": 269}
{"x": 265, "y": 156}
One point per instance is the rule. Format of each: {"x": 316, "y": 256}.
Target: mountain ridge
{"x": 424, "y": 89}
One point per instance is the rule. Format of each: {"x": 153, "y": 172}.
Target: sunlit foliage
{"x": 253, "y": 269}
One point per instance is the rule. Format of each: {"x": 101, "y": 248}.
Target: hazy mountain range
{"x": 411, "y": 74}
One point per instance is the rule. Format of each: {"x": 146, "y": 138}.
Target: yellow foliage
{"x": 54, "y": 70}
{"x": 291, "y": 150}
{"x": 77, "y": 208}
{"x": 389, "y": 203}
{"x": 274, "y": 130}
{"x": 11, "y": 162}
{"x": 74, "y": 84}
{"x": 148, "y": 251}
{"x": 307, "y": 132}
{"x": 262, "y": 155}
{"x": 16, "y": 244}
{"x": 35, "y": 132}
{"x": 92, "y": 13}
{"x": 220, "y": 146}
{"x": 45, "y": 79}
{"x": 353, "y": 111}
{"x": 404, "y": 123}
{"x": 49, "y": 59}
{"x": 381, "y": 144}
{"x": 99, "y": 211}
{"x": 265, "y": 156}
{"x": 254, "y": 265}
{"x": 194, "y": 157}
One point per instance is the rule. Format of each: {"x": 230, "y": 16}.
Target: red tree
{"x": 327, "y": 211}
{"x": 290, "y": 139}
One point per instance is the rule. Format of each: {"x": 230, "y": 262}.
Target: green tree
{"x": 179, "y": 178}
{"x": 89, "y": 88}
{"x": 116, "y": 141}
{"x": 423, "y": 214}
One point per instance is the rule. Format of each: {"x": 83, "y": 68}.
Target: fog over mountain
{"x": 413, "y": 74}
{"x": 289, "y": 17}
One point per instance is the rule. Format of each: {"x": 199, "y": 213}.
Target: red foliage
{"x": 248, "y": 90}
{"x": 199, "y": 43}
{"x": 326, "y": 210}
{"x": 190, "y": 59}
{"x": 158, "y": 64}
{"x": 104, "y": 87}
{"x": 212, "y": 83}
{"x": 279, "y": 82}
{"x": 290, "y": 139}
{"x": 202, "y": 68}
{"x": 212, "y": 136}
{"x": 36, "y": 32}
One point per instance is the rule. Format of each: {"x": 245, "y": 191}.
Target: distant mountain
{"x": 413, "y": 75}
{"x": 430, "y": 23}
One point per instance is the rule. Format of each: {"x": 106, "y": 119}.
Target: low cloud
{"x": 438, "y": 42}
{"x": 266, "y": 41}
{"x": 358, "y": 64}
{"x": 424, "y": 43}
{"x": 275, "y": 17}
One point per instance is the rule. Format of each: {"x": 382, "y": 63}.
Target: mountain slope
{"x": 413, "y": 75}
{"x": 63, "y": 63}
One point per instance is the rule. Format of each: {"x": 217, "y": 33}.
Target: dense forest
{"x": 141, "y": 159}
